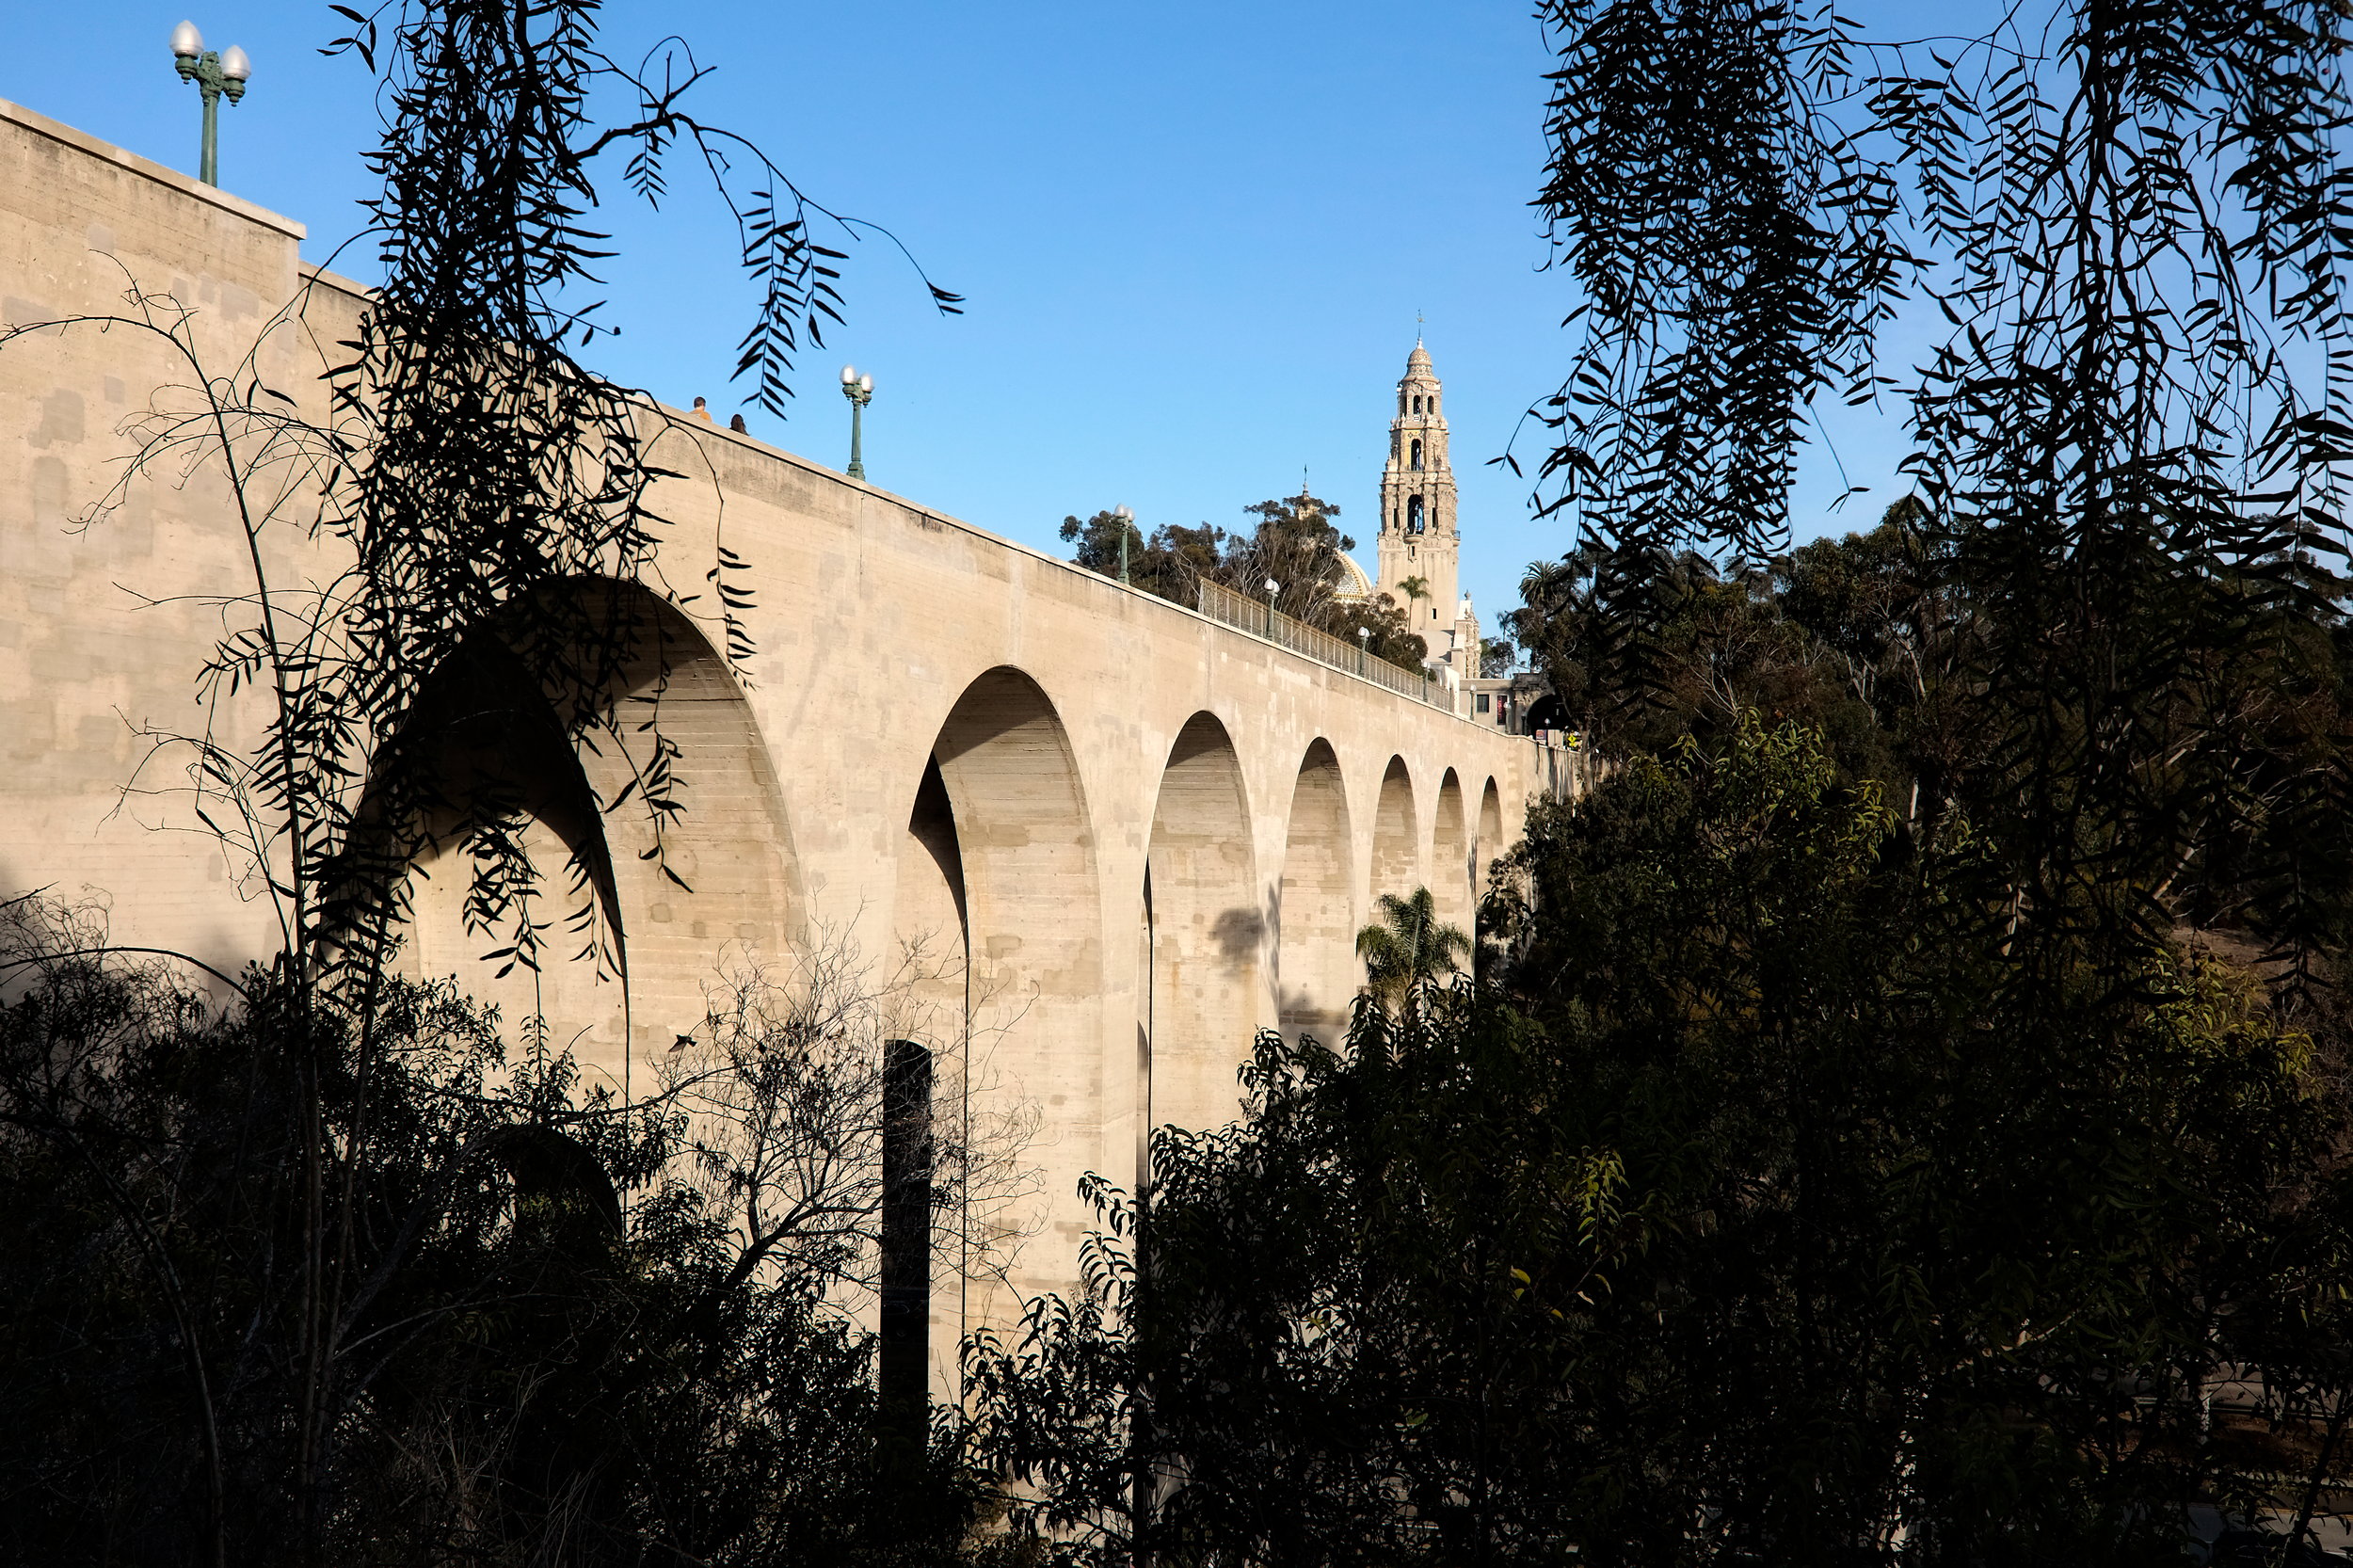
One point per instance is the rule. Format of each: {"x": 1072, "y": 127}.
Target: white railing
{"x": 1257, "y": 617}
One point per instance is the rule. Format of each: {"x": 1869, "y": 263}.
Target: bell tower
{"x": 1418, "y": 535}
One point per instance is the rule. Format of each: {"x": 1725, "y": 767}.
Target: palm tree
{"x": 1407, "y": 946}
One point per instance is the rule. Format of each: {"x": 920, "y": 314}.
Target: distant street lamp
{"x": 212, "y": 74}
{"x": 1272, "y": 587}
{"x": 1126, "y": 518}
{"x": 860, "y": 390}
{"x": 1364, "y": 650}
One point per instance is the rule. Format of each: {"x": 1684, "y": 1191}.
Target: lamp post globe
{"x": 213, "y": 75}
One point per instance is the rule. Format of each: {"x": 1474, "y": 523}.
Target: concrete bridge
{"x": 1127, "y": 836}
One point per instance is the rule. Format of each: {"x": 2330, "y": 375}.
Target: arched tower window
{"x": 1413, "y": 515}
{"x": 1418, "y": 456}
{"x": 1417, "y": 404}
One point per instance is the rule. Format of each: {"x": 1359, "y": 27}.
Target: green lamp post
{"x": 860, "y": 390}
{"x": 213, "y": 74}
{"x": 1127, "y": 520}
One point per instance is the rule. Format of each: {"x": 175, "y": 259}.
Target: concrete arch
{"x": 483, "y": 743}
{"x": 1315, "y": 913}
{"x": 929, "y": 920}
{"x": 1024, "y": 850}
{"x": 1450, "y": 872}
{"x": 725, "y": 882}
{"x": 1206, "y": 931}
{"x": 1396, "y": 856}
{"x": 1034, "y": 922}
{"x": 647, "y": 901}
{"x": 1490, "y": 841}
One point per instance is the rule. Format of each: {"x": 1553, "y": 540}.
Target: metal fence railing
{"x": 1222, "y": 603}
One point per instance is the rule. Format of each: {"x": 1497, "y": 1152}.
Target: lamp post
{"x": 1364, "y": 650}
{"x": 1126, "y": 518}
{"x": 213, "y": 74}
{"x": 860, "y": 390}
{"x": 1272, "y": 587}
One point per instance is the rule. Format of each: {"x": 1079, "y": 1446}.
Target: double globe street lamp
{"x": 1127, "y": 520}
{"x": 860, "y": 390}
{"x": 213, "y": 74}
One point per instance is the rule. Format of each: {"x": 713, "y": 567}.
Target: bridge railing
{"x": 1565, "y": 773}
{"x": 1255, "y": 617}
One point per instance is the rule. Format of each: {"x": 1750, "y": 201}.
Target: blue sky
{"x": 1194, "y": 238}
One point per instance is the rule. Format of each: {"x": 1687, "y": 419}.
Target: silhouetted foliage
{"x": 1749, "y": 1218}
{"x": 524, "y": 1370}
{"x": 2127, "y": 450}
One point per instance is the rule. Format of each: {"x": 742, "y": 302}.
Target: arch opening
{"x": 1315, "y": 970}
{"x": 490, "y": 749}
{"x": 1205, "y": 928}
{"x": 1489, "y": 842}
{"x": 929, "y": 923}
{"x": 1034, "y": 938}
{"x": 649, "y": 812}
{"x": 1396, "y": 864}
{"x": 1451, "y": 875}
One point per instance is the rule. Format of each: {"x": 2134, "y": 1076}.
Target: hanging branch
{"x": 2129, "y": 447}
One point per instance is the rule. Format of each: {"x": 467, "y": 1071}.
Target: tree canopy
{"x": 1745, "y": 1212}
{"x": 1293, "y": 542}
